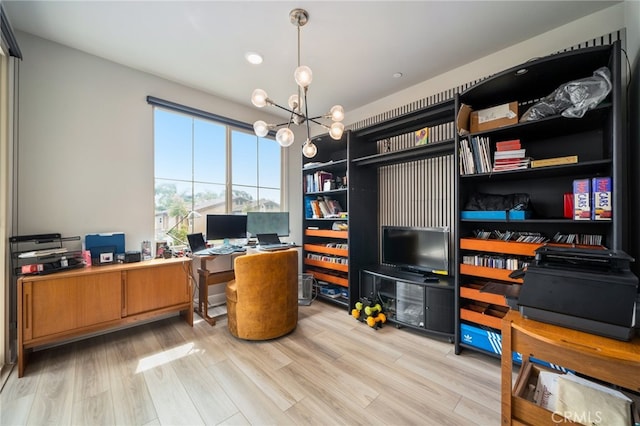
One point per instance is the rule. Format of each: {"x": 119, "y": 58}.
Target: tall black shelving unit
{"x": 597, "y": 139}
{"x": 332, "y": 253}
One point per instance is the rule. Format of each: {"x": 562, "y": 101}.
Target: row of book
{"x": 537, "y": 237}
{"x": 329, "y": 259}
{"x": 517, "y": 236}
{"x": 494, "y": 261}
{"x": 323, "y": 181}
{"x": 338, "y": 246}
{"x": 475, "y": 157}
{"x": 582, "y": 239}
{"x": 322, "y": 207}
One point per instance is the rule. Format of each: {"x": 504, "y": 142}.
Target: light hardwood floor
{"x": 331, "y": 370}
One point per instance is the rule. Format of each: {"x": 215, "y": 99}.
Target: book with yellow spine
{"x": 555, "y": 161}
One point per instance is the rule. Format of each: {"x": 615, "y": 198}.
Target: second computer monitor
{"x": 226, "y": 226}
{"x": 268, "y": 223}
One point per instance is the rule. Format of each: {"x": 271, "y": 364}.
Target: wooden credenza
{"x": 57, "y": 307}
{"x": 605, "y": 359}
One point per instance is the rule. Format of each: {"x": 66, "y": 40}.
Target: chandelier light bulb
{"x": 261, "y": 128}
{"x": 284, "y": 137}
{"x": 259, "y": 98}
{"x": 294, "y": 103}
{"x": 337, "y": 113}
{"x": 309, "y": 150}
{"x": 336, "y": 130}
{"x": 303, "y": 76}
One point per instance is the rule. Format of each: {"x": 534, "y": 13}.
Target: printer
{"x": 586, "y": 289}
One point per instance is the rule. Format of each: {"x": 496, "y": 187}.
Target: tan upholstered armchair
{"x": 262, "y": 301}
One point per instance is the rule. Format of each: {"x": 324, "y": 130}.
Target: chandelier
{"x": 298, "y": 106}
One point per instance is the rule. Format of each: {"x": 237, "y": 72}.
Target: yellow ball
{"x": 371, "y": 321}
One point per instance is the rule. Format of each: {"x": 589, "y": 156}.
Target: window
{"x": 207, "y": 166}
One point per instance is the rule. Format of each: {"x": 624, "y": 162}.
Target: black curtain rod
{"x": 7, "y": 35}
{"x": 197, "y": 112}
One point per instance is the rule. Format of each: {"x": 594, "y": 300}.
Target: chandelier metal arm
{"x": 290, "y": 111}
{"x": 306, "y": 109}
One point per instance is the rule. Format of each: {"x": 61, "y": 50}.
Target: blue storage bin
{"x": 496, "y": 214}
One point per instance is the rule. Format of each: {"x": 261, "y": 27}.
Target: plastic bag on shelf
{"x": 573, "y": 99}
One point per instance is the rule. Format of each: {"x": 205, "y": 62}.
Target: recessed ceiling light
{"x": 397, "y": 74}
{"x": 253, "y": 58}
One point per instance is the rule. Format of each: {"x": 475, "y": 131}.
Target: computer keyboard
{"x": 221, "y": 250}
{"x": 271, "y": 247}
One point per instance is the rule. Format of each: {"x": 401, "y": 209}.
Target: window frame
{"x": 230, "y": 126}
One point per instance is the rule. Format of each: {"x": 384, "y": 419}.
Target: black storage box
{"x": 132, "y": 256}
{"x": 597, "y": 301}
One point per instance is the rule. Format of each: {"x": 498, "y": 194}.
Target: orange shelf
{"x": 317, "y": 248}
{"x": 497, "y": 246}
{"x": 488, "y": 319}
{"x": 476, "y": 294}
{"x": 491, "y": 273}
{"x": 511, "y": 247}
{"x": 327, "y": 265}
{"x": 329, "y": 278}
{"x": 326, "y": 233}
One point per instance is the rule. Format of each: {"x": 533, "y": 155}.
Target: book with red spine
{"x": 508, "y": 145}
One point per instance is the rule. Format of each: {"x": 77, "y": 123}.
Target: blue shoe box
{"x": 491, "y": 341}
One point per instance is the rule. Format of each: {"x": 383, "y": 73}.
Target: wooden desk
{"x": 610, "y": 360}
{"x": 221, "y": 274}
{"x": 56, "y": 307}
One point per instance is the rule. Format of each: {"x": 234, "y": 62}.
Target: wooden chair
{"x": 262, "y": 300}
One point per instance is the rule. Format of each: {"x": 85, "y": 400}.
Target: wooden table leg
{"x": 506, "y": 362}
{"x": 205, "y": 279}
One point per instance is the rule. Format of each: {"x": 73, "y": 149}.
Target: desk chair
{"x": 262, "y": 300}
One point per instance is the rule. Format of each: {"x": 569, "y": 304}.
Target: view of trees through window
{"x": 206, "y": 167}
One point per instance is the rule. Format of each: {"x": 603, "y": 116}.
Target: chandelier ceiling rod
{"x": 303, "y": 77}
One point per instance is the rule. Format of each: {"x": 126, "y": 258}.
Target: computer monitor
{"x": 268, "y": 223}
{"x": 226, "y": 226}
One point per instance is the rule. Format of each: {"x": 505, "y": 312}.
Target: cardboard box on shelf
{"x": 470, "y": 121}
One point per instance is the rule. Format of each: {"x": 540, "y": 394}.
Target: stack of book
{"x": 510, "y": 155}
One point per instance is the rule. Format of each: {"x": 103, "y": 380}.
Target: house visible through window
{"x": 205, "y": 166}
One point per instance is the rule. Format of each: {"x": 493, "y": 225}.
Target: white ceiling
{"x": 353, "y": 47}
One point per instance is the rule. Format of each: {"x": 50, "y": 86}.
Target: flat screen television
{"x": 422, "y": 250}
{"x": 226, "y": 226}
{"x": 268, "y": 223}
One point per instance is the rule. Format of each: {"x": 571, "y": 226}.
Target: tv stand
{"x": 420, "y": 301}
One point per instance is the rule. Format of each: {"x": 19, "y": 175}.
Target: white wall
{"x": 86, "y": 143}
